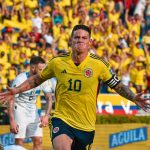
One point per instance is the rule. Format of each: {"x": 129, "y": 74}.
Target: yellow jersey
{"x": 77, "y": 88}
{"x": 146, "y": 39}
{"x": 139, "y": 78}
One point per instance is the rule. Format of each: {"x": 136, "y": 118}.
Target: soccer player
{"x": 78, "y": 76}
{"x": 24, "y": 119}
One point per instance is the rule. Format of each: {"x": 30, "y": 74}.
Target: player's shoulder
{"x": 47, "y": 86}
{"x": 23, "y": 75}
{"x": 60, "y": 56}
{"x": 20, "y": 79}
{"x": 46, "y": 83}
{"x": 97, "y": 58}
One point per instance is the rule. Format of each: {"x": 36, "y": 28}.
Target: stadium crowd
{"x": 120, "y": 33}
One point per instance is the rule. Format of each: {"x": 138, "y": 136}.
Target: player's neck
{"x": 79, "y": 57}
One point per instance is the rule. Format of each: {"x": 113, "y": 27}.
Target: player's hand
{"x": 14, "y": 128}
{"x": 7, "y": 96}
{"x": 44, "y": 121}
{"x": 142, "y": 102}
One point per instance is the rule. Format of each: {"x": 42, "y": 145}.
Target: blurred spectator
{"x": 15, "y": 54}
{"x": 140, "y": 8}
{"x": 147, "y": 14}
{"x": 3, "y": 77}
{"x": 24, "y": 36}
{"x": 137, "y": 52}
{"x": 125, "y": 78}
{"x": 34, "y": 34}
{"x": 31, "y": 4}
{"x": 95, "y": 7}
{"x": 83, "y": 15}
{"x": 67, "y": 15}
{"x": 3, "y": 51}
{"x": 25, "y": 48}
{"x": 6, "y": 14}
{"x": 57, "y": 14}
{"x": 130, "y": 5}
{"x": 48, "y": 37}
{"x": 147, "y": 62}
{"x": 114, "y": 15}
{"x": 56, "y": 30}
{"x": 50, "y": 52}
{"x": 37, "y": 21}
{"x": 132, "y": 23}
{"x": 140, "y": 77}
{"x": 132, "y": 88}
{"x": 146, "y": 37}
{"x": 62, "y": 41}
{"x": 12, "y": 74}
{"x": 95, "y": 33}
{"x": 74, "y": 19}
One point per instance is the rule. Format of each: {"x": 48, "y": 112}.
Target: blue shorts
{"x": 82, "y": 140}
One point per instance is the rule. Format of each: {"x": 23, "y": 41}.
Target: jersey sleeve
{"x": 108, "y": 77}
{"x": 47, "y": 86}
{"x": 48, "y": 71}
{"x": 16, "y": 83}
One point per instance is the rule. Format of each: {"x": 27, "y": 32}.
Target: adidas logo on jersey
{"x": 64, "y": 71}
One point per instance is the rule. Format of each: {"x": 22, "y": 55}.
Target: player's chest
{"x": 71, "y": 75}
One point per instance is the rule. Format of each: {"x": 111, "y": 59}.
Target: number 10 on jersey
{"x": 74, "y": 85}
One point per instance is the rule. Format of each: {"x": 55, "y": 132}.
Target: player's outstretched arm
{"x": 124, "y": 91}
{"x": 30, "y": 83}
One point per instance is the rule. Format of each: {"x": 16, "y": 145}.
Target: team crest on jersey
{"x": 88, "y": 72}
{"x": 56, "y": 129}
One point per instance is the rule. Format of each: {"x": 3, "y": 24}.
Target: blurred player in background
{"x": 24, "y": 118}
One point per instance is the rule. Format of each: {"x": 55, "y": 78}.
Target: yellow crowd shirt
{"x": 146, "y": 39}
{"x": 77, "y": 88}
{"x": 63, "y": 41}
{"x": 14, "y": 56}
{"x": 114, "y": 17}
{"x": 139, "y": 80}
{"x": 137, "y": 52}
{"x": 147, "y": 62}
{"x": 56, "y": 31}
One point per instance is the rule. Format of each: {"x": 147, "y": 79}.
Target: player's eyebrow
{"x": 77, "y": 37}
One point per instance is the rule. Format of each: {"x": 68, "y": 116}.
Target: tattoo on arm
{"x": 35, "y": 81}
{"x": 124, "y": 91}
{"x": 30, "y": 83}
